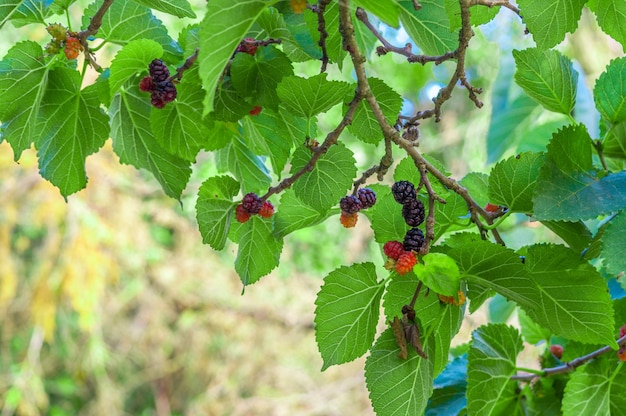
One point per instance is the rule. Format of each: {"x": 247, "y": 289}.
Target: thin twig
{"x": 494, "y": 3}
{"x": 406, "y": 50}
{"x": 331, "y": 139}
{"x": 185, "y": 66}
{"x": 320, "y": 9}
{"x": 92, "y": 29}
{"x": 571, "y": 365}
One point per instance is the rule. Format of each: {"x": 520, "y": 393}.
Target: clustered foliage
{"x": 227, "y": 85}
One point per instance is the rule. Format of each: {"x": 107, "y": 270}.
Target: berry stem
{"x": 498, "y": 222}
{"x": 185, "y": 66}
{"x": 416, "y": 294}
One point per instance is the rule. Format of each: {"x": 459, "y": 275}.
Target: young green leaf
{"x": 386, "y": 10}
{"x": 429, "y": 27}
{"x": 72, "y": 126}
{"x": 568, "y": 188}
{"x": 23, "y": 81}
{"x": 348, "y": 306}
{"x": 548, "y": 77}
{"x": 439, "y": 273}
{"x": 224, "y": 26}
{"x": 610, "y": 16}
{"x": 178, "y": 8}
{"x": 135, "y": 144}
{"x": 396, "y": 386}
{"x": 259, "y": 250}
{"x": 329, "y": 180}
{"x": 512, "y": 181}
{"x": 125, "y": 21}
{"x": 364, "y": 124}
{"x": 614, "y": 244}
{"x": 306, "y": 97}
{"x": 609, "y": 92}
{"x": 131, "y": 60}
{"x": 549, "y": 22}
{"x": 491, "y": 363}
{"x": 179, "y": 127}
{"x": 214, "y": 209}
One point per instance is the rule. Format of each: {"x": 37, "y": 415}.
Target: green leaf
{"x": 407, "y": 171}
{"x": 492, "y": 266}
{"x": 179, "y": 127}
{"x": 548, "y": 77}
{"x": 334, "y": 43}
{"x": 223, "y": 27}
{"x": 450, "y": 389}
{"x": 491, "y": 363}
{"x": 614, "y": 244}
{"x": 178, "y": 8}
{"x": 23, "y": 81}
{"x": 228, "y": 104}
{"x": 477, "y": 184}
{"x": 258, "y": 76}
{"x": 574, "y": 233}
{"x": 8, "y": 9}
{"x": 135, "y": 144}
{"x": 386, "y": 10}
{"x": 132, "y": 59}
{"x": 532, "y": 332}
{"x": 306, "y": 97}
{"x": 72, "y": 126}
{"x": 439, "y": 273}
{"x": 267, "y": 135}
{"x": 214, "y": 209}
{"x": 29, "y": 11}
{"x": 329, "y": 180}
{"x": 386, "y": 216}
{"x": 568, "y": 188}
{"x": 398, "y": 387}
{"x": 247, "y": 167}
{"x": 293, "y": 215}
{"x": 429, "y": 27}
{"x": 259, "y": 251}
{"x": 346, "y": 315}
{"x": 364, "y": 124}
{"x": 451, "y": 216}
{"x": 512, "y": 181}
{"x": 573, "y": 297}
{"x": 609, "y": 92}
{"x": 125, "y": 21}
{"x": 60, "y": 6}
{"x": 614, "y": 144}
{"x": 549, "y": 22}
{"x": 610, "y": 15}
{"x": 595, "y": 388}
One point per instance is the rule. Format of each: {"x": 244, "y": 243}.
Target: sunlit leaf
{"x": 214, "y": 209}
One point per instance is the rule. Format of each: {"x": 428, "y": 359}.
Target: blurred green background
{"x": 111, "y": 305}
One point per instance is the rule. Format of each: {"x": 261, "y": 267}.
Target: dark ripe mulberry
{"x": 158, "y": 71}
{"x": 413, "y": 212}
{"x": 252, "y": 203}
{"x": 163, "y": 93}
{"x": 413, "y": 239}
{"x": 367, "y": 197}
{"x": 403, "y": 191}
{"x": 146, "y": 84}
{"x": 350, "y": 204}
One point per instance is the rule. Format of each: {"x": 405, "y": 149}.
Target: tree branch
{"x": 569, "y": 366}
{"x": 320, "y": 9}
{"x": 92, "y": 29}
{"x": 494, "y": 3}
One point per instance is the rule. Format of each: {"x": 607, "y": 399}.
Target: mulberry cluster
{"x": 251, "y": 205}
{"x": 399, "y": 259}
{"x": 350, "y": 205}
{"x": 413, "y": 213}
{"x": 62, "y": 39}
{"x": 158, "y": 84}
